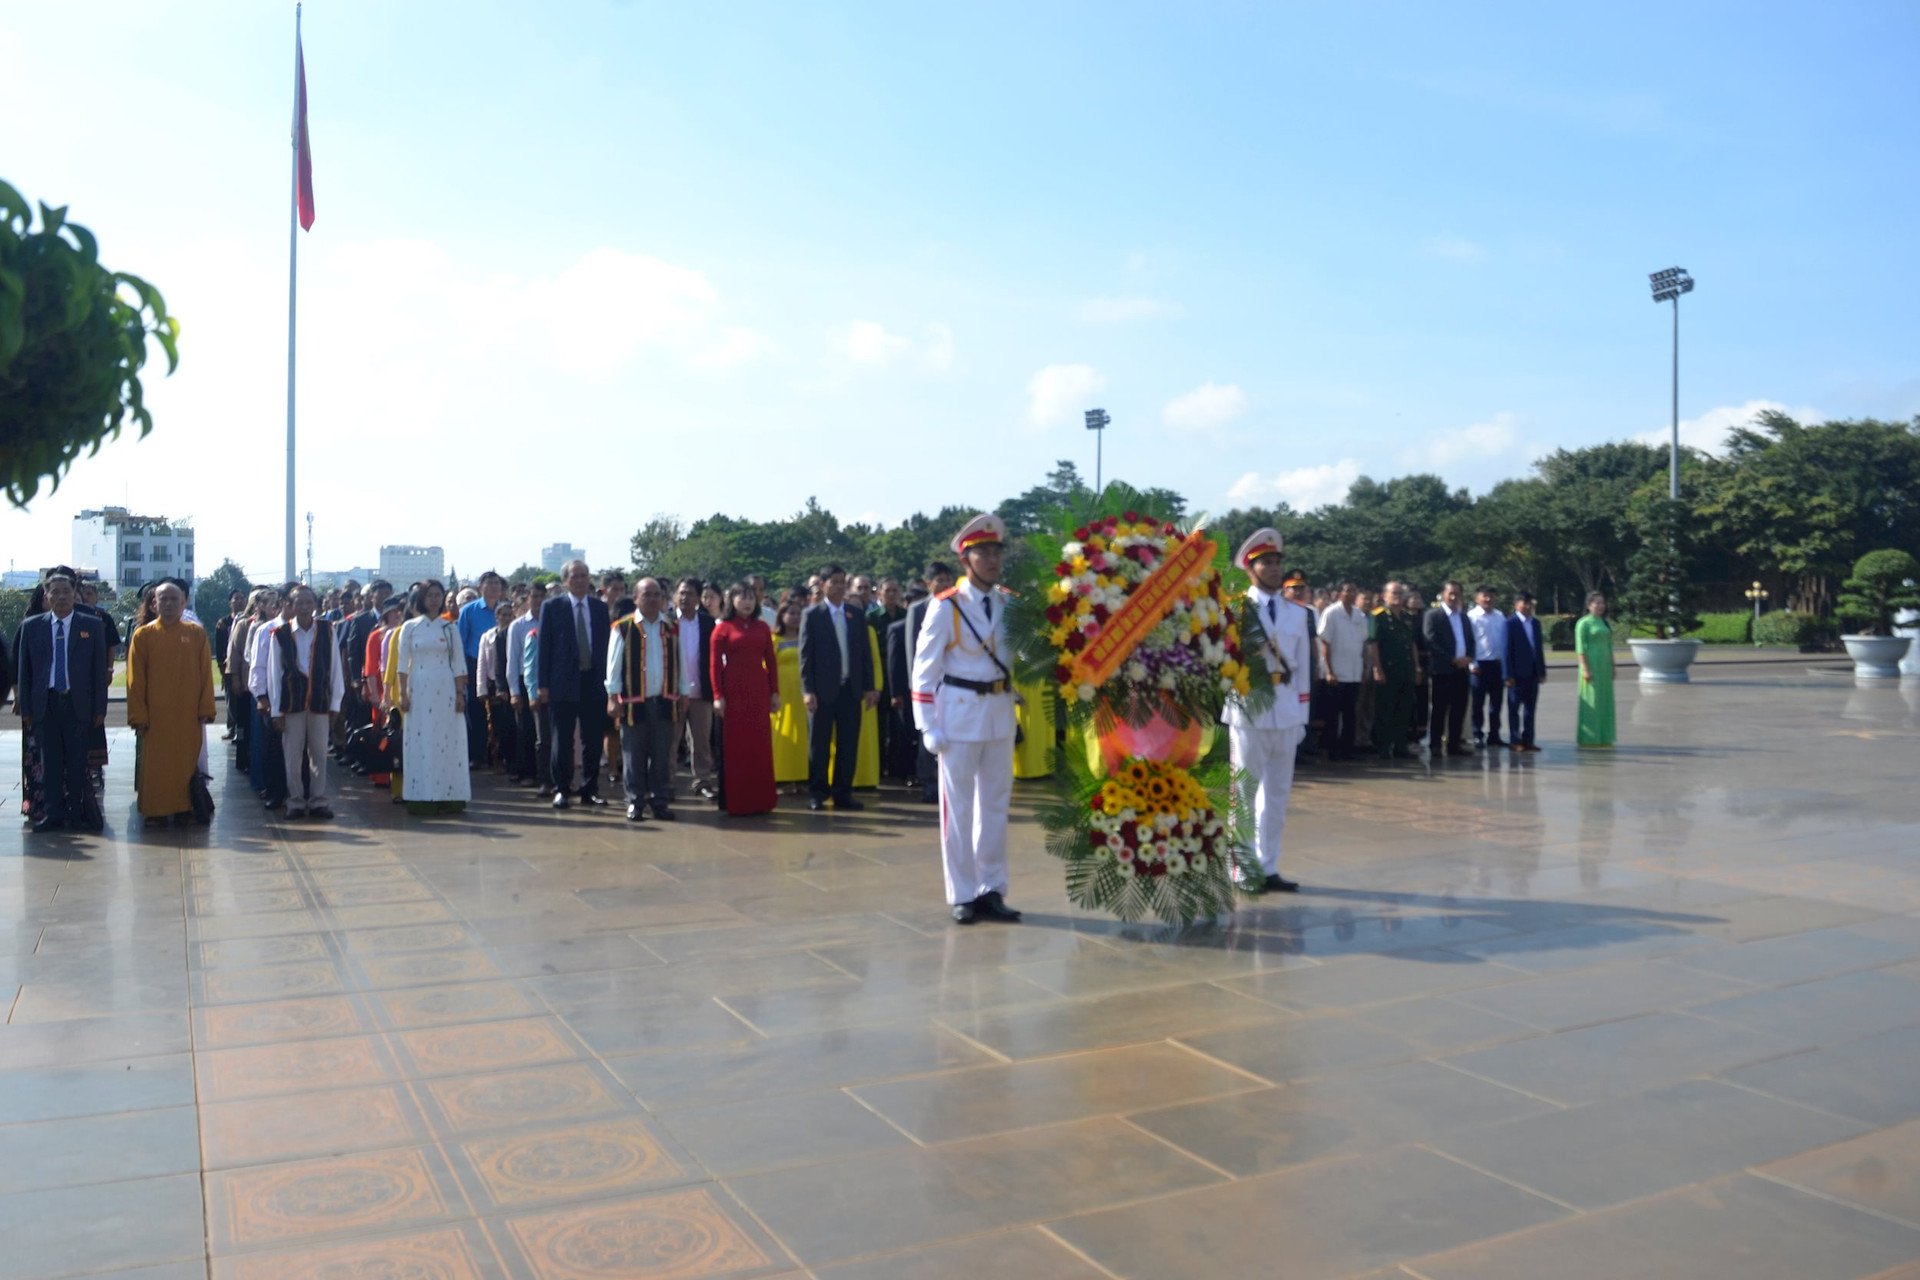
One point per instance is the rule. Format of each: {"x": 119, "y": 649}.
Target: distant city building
{"x": 20, "y": 579}
{"x": 402, "y": 565}
{"x": 328, "y": 579}
{"x": 551, "y": 558}
{"x": 128, "y": 549}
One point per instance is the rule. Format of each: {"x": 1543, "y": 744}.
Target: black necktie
{"x": 1273, "y": 609}
{"x": 986, "y": 602}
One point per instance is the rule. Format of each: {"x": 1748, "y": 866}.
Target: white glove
{"x": 932, "y": 741}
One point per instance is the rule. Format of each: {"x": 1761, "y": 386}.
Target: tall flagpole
{"x": 293, "y": 280}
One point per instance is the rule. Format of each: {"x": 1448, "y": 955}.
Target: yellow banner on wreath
{"x": 1143, "y": 610}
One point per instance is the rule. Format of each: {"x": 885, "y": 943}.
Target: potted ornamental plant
{"x": 1882, "y": 585}
{"x": 1658, "y": 591}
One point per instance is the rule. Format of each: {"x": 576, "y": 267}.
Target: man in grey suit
{"x": 61, "y": 672}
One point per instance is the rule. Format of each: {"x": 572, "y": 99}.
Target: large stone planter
{"x": 1664, "y": 661}
{"x": 1876, "y": 657}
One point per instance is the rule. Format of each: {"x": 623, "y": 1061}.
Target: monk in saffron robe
{"x": 169, "y": 702}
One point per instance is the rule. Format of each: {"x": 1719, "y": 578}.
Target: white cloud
{"x": 1496, "y": 436}
{"x": 866, "y": 342}
{"x": 1708, "y": 432}
{"x": 1205, "y": 408}
{"x": 1104, "y": 310}
{"x": 1059, "y": 393}
{"x": 936, "y": 349}
{"x": 1455, "y": 249}
{"x": 1303, "y": 488}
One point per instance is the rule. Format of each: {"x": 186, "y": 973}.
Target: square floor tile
{"x": 1878, "y": 1171}
{"x": 95, "y": 1088}
{"x": 1305, "y": 1047}
{"x": 334, "y": 1196}
{"x": 462, "y": 1002}
{"x": 1027, "y": 1252}
{"x": 592, "y": 1160}
{"x": 767, "y": 1133}
{"x": 280, "y": 1069}
{"x": 554, "y": 1094}
{"x": 120, "y": 1036}
{"x": 333, "y": 1122}
{"x": 688, "y": 1233}
{"x": 116, "y": 1226}
{"x": 1744, "y": 1227}
{"x": 1110, "y": 1021}
{"x": 1827, "y": 1011}
{"x": 1872, "y": 1079}
{"x": 278, "y": 1021}
{"x": 1606, "y": 994}
{"x": 107, "y": 1148}
{"x": 1624, "y": 1148}
{"x": 1802, "y": 957}
{"x": 485, "y": 1046}
{"x": 1326, "y": 1220}
{"x": 454, "y": 1252}
{"x": 1617, "y": 1058}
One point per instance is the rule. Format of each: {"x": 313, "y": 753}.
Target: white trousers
{"x": 306, "y": 734}
{"x": 1267, "y": 756}
{"x": 976, "y": 786}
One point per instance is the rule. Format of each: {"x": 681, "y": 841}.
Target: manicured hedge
{"x": 1725, "y": 628}
{"x": 1803, "y": 631}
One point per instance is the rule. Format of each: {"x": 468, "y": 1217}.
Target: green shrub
{"x": 1560, "y": 630}
{"x": 1881, "y": 586}
{"x": 1803, "y": 631}
{"x": 1724, "y": 628}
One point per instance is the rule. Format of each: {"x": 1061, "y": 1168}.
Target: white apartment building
{"x": 403, "y": 564}
{"x": 127, "y": 549}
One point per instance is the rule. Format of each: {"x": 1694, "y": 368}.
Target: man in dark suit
{"x": 1526, "y": 668}
{"x": 926, "y": 771}
{"x": 62, "y": 676}
{"x": 692, "y": 681}
{"x": 574, "y": 627}
{"x": 836, "y": 681}
{"x": 1447, "y": 637}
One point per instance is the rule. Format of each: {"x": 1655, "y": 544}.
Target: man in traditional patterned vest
{"x": 304, "y": 686}
{"x": 642, "y": 658}
{"x": 963, "y": 702}
{"x": 1279, "y": 633}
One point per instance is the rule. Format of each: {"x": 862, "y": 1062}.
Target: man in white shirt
{"x": 1264, "y": 743}
{"x": 1487, "y": 670}
{"x": 304, "y": 687}
{"x": 693, "y": 683}
{"x": 1343, "y": 648}
{"x": 530, "y": 762}
{"x": 269, "y": 774}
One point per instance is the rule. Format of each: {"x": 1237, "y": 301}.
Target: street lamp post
{"x": 1757, "y": 593}
{"x": 1097, "y": 423}
{"x": 1668, "y": 285}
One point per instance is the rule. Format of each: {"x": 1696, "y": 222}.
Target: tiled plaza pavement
{"x": 1652, "y": 1013}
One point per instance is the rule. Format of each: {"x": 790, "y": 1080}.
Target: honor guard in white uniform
{"x": 963, "y": 702}
{"x": 1264, "y": 743}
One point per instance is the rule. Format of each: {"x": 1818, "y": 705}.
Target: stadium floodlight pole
{"x": 1097, "y": 421}
{"x": 1668, "y": 285}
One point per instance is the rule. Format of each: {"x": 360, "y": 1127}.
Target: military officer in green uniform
{"x": 1393, "y": 656}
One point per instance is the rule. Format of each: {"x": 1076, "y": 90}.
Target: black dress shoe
{"x": 849, "y": 804}
{"x": 634, "y": 813}
{"x": 664, "y": 814}
{"x": 593, "y": 798}
{"x": 991, "y": 906}
{"x": 965, "y": 912}
{"x": 1495, "y": 742}
{"x": 816, "y": 804}
{"x": 560, "y": 800}
{"x": 1278, "y": 884}
{"x": 47, "y": 824}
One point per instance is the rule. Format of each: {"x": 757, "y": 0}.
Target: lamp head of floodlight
{"x": 1670, "y": 284}
{"x": 1097, "y": 419}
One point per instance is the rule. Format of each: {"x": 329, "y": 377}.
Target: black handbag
{"x": 200, "y": 798}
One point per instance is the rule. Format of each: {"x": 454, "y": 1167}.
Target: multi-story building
{"x": 551, "y": 558}
{"x": 127, "y": 550}
{"x": 401, "y": 565}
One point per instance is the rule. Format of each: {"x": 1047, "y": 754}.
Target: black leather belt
{"x": 975, "y": 686}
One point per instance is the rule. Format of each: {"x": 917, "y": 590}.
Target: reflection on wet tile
{"x": 794, "y": 1064}
{"x": 982, "y": 1100}
{"x": 1879, "y": 1172}
{"x": 1303, "y": 1047}
{"x": 679, "y": 1233}
{"x": 1622, "y": 1057}
{"x": 689, "y": 1022}
{"x": 1330, "y": 1219}
{"x": 1871, "y": 1079}
{"x": 1130, "y": 1018}
{"x": 890, "y": 1200}
{"x": 1764, "y": 1231}
{"x": 1802, "y": 957}
{"x": 1357, "y": 980}
{"x": 1646, "y": 1143}
{"x": 1568, "y": 1000}
{"x": 337, "y": 1121}
{"x": 1027, "y": 1252}
{"x": 337, "y": 1195}
{"x": 1828, "y": 1011}
{"x": 106, "y": 1148}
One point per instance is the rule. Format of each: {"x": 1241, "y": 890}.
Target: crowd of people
{"x": 731, "y": 695}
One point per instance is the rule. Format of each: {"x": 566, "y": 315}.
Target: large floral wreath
{"x": 1129, "y": 620}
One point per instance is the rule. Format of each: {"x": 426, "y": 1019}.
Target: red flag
{"x": 303, "y": 187}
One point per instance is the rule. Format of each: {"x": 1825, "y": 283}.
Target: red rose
{"x": 1167, "y": 528}
{"x": 1062, "y": 672}
{"x": 1062, "y": 569}
{"x": 1055, "y": 614}
{"x": 1076, "y": 641}
{"x": 1082, "y": 534}
{"x": 1095, "y": 802}
{"x": 1132, "y": 517}
{"x": 1097, "y": 839}
{"x": 1101, "y": 614}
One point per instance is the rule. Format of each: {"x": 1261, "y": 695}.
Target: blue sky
{"x": 578, "y": 264}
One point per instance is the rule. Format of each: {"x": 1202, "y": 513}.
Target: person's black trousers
{"x": 1343, "y": 701}
{"x": 1393, "y": 714}
{"x": 476, "y": 726}
{"x": 588, "y": 717}
{"x": 1521, "y": 700}
{"x": 1448, "y": 717}
{"x": 63, "y": 760}
{"x": 1489, "y": 691}
{"x": 646, "y": 755}
{"x": 525, "y": 742}
{"x": 837, "y": 717}
{"x": 542, "y": 744}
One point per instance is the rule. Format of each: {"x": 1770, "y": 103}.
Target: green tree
{"x": 1881, "y": 585}
{"x": 1587, "y": 515}
{"x": 13, "y": 608}
{"x": 210, "y": 596}
{"x": 1659, "y": 589}
{"x": 654, "y": 541}
{"x": 73, "y": 339}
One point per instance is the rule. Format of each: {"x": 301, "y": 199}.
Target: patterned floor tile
{"x": 487, "y": 1046}
{"x": 404, "y": 938}
{"x": 265, "y": 1130}
{"x": 261, "y": 951}
{"x": 421, "y": 968}
{"x": 278, "y": 1069}
{"x": 271, "y": 1022}
{"x": 536, "y": 1095}
{"x": 599, "y": 1158}
{"x": 365, "y": 1191}
{"x": 465, "y": 1002}
{"x": 682, "y": 1235}
{"x": 445, "y": 1253}
{"x": 270, "y": 982}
